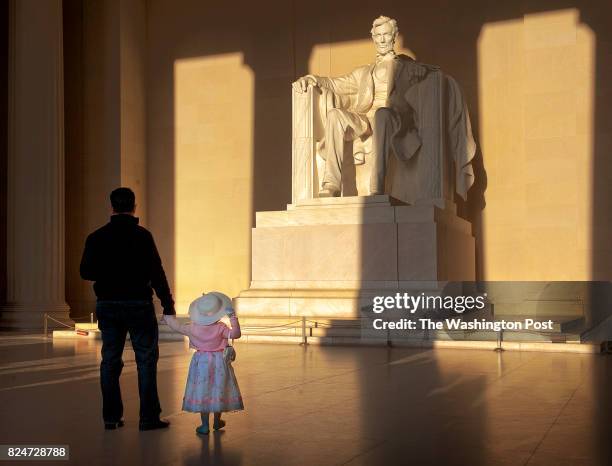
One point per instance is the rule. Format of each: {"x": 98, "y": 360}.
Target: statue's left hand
{"x": 302, "y": 84}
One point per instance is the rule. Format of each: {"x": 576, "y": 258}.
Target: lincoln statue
{"x": 377, "y": 108}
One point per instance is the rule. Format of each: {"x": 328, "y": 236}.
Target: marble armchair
{"x": 438, "y": 169}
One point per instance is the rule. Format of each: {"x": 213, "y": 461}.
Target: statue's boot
{"x": 329, "y": 191}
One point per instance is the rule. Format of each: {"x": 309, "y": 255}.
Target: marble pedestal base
{"x": 330, "y": 256}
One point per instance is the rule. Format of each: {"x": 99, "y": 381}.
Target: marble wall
{"x": 219, "y": 136}
{"x": 536, "y": 75}
{"x": 537, "y": 101}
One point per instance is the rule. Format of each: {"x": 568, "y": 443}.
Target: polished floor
{"x": 322, "y": 406}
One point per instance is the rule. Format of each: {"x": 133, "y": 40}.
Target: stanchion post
{"x": 500, "y": 339}
{"x": 304, "y": 341}
{"x": 91, "y": 318}
{"x": 45, "y": 324}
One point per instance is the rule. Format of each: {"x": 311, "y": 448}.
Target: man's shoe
{"x": 158, "y": 424}
{"x": 329, "y": 192}
{"x": 113, "y": 425}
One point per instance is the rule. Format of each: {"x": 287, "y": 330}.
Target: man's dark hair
{"x": 123, "y": 200}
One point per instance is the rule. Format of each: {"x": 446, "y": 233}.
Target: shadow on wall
{"x": 277, "y": 46}
{"x": 245, "y": 166}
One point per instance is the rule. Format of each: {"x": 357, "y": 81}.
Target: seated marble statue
{"x": 385, "y": 108}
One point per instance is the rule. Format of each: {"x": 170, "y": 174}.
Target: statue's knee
{"x": 334, "y": 115}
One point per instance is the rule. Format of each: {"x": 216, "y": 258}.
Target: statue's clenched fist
{"x": 303, "y": 83}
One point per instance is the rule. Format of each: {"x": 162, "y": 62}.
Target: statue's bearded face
{"x": 384, "y": 38}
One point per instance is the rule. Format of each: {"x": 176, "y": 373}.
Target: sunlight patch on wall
{"x": 536, "y": 78}
{"x": 213, "y": 175}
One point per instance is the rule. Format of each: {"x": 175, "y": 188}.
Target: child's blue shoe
{"x": 202, "y": 430}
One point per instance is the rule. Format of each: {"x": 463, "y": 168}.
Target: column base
{"x": 30, "y": 316}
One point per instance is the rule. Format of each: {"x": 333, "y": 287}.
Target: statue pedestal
{"x": 330, "y": 256}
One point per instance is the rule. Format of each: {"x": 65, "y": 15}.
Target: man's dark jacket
{"x": 122, "y": 260}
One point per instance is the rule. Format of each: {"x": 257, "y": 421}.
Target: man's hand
{"x": 303, "y": 83}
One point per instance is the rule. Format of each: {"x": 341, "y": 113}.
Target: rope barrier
{"x": 317, "y": 324}
{"x": 61, "y": 323}
{"x": 47, "y": 317}
{"x": 271, "y": 326}
{"x": 264, "y": 329}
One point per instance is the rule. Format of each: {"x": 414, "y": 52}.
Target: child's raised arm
{"x": 234, "y": 332}
{"x": 174, "y": 324}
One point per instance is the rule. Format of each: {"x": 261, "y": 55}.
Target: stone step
{"x": 86, "y": 326}
{"x": 330, "y": 330}
{"x": 564, "y": 323}
{"x": 540, "y": 308}
{"x": 486, "y": 342}
{"x": 317, "y": 326}
{"x": 72, "y": 334}
{"x": 329, "y": 202}
{"x": 290, "y": 321}
{"x": 542, "y": 346}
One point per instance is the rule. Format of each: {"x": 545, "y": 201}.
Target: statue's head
{"x": 384, "y": 31}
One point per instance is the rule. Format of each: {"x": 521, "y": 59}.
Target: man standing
{"x": 122, "y": 260}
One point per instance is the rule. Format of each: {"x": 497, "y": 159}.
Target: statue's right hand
{"x": 303, "y": 83}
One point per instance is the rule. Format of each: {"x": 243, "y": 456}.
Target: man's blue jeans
{"x": 115, "y": 320}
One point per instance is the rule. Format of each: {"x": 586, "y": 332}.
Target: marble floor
{"x": 322, "y": 406}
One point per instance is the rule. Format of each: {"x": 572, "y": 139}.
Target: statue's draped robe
{"x": 432, "y": 131}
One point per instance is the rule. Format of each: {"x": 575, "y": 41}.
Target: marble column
{"x": 35, "y": 191}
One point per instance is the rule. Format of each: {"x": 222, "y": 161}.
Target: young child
{"x": 211, "y": 385}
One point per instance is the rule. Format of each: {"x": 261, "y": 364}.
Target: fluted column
{"x": 35, "y": 194}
